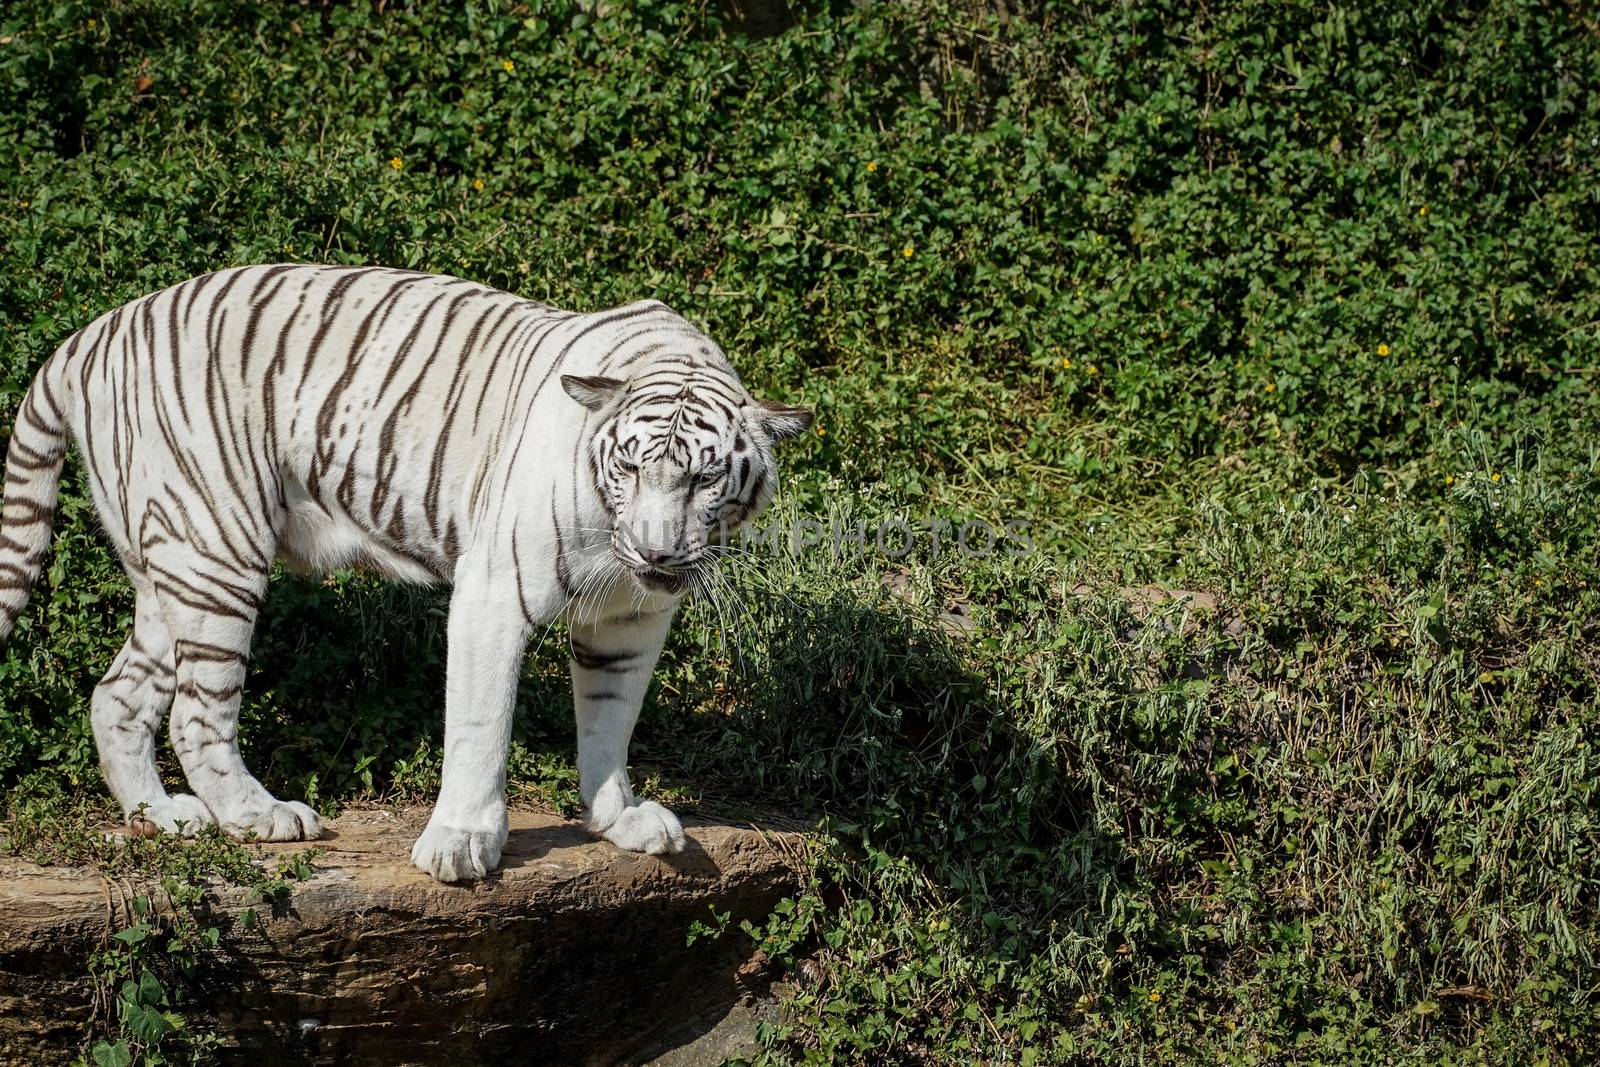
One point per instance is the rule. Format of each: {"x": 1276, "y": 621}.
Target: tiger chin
{"x": 545, "y": 464}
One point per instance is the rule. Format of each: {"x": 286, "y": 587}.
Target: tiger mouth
{"x": 665, "y": 581}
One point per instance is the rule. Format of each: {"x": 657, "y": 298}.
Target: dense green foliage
{"x": 1291, "y": 305}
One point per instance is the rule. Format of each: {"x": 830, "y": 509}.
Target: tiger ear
{"x": 592, "y": 393}
{"x": 780, "y": 421}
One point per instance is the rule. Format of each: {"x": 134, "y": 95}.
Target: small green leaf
{"x": 108, "y": 1055}
{"x": 134, "y": 934}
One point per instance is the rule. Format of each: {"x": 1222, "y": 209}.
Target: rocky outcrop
{"x": 574, "y": 952}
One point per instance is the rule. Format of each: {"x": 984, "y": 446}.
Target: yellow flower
{"x": 508, "y": 66}
{"x": 1154, "y": 996}
{"x": 821, "y": 432}
{"x": 1495, "y": 477}
{"x": 1066, "y": 364}
{"x": 91, "y": 24}
{"x": 1271, "y": 387}
{"x": 1383, "y": 350}
{"x": 908, "y": 251}
{"x": 1423, "y": 210}
{"x": 22, "y": 203}
{"x": 872, "y": 167}
{"x": 1449, "y": 479}
{"x": 1091, "y": 370}
{"x": 397, "y": 163}
{"x": 477, "y": 183}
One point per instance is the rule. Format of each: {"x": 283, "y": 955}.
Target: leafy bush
{"x": 1291, "y": 307}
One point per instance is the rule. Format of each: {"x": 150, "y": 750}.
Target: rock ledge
{"x": 574, "y": 952}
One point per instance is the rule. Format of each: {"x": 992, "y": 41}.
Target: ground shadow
{"x": 871, "y": 715}
{"x": 538, "y": 842}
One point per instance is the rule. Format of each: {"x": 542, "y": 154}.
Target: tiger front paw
{"x": 646, "y": 827}
{"x": 450, "y": 854}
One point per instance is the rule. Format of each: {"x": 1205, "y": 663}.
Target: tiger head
{"x": 682, "y": 457}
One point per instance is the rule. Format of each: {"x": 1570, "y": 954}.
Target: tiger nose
{"x": 658, "y": 557}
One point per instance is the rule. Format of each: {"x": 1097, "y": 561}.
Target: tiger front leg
{"x": 611, "y": 666}
{"x": 488, "y": 634}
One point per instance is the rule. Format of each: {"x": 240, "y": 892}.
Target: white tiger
{"x": 420, "y": 424}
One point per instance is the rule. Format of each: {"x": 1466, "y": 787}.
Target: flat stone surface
{"x": 572, "y": 944}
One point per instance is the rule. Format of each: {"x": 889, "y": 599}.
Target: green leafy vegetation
{"x": 159, "y": 917}
{"x": 1289, "y": 307}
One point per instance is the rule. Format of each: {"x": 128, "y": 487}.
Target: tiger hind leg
{"x": 210, "y": 610}
{"x": 127, "y": 708}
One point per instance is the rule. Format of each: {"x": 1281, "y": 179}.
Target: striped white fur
{"x": 547, "y": 464}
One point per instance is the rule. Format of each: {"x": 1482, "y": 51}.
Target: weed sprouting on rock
{"x": 160, "y": 918}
